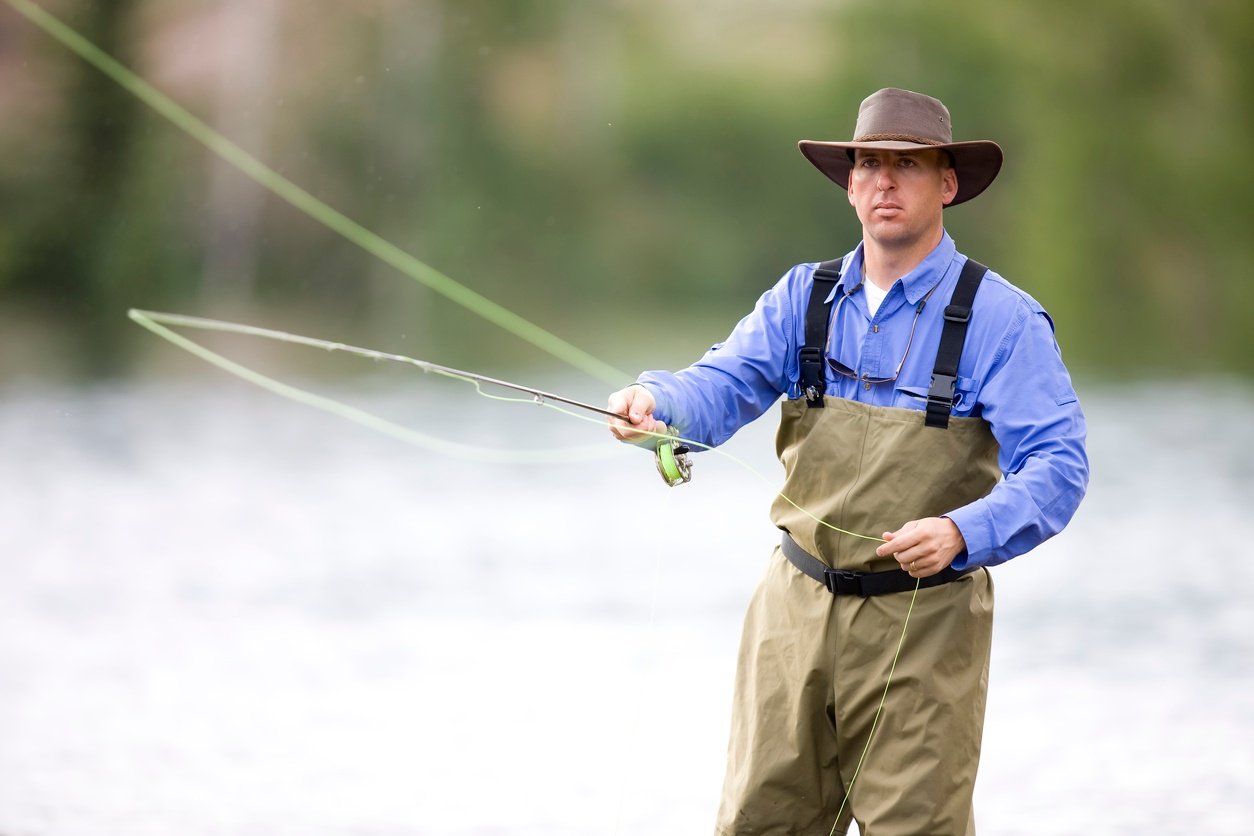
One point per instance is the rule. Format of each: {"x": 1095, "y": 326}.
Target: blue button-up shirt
{"x": 1011, "y": 374}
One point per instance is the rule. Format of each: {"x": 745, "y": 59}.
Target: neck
{"x": 883, "y": 264}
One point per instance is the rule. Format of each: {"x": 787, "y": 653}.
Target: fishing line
{"x": 875, "y": 721}
{"x": 279, "y": 185}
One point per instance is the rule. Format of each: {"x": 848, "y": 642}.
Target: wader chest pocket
{"x": 915, "y": 397}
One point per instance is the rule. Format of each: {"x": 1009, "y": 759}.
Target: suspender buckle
{"x": 811, "y": 376}
{"x": 940, "y": 400}
{"x": 942, "y": 391}
{"x": 818, "y": 313}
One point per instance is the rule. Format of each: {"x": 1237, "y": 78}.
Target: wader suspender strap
{"x": 940, "y": 397}
{"x": 818, "y": 311}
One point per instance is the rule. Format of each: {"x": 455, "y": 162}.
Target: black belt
{"x": 862, "y": 584}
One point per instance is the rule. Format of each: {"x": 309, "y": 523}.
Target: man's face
{"x": 899, "y": 195}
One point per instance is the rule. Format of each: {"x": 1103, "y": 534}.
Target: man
{"x": 926, "y": 435}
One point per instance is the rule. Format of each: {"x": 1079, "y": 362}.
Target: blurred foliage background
{"x": 622, "y": 173}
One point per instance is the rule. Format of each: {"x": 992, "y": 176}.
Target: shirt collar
{"x": 916, "y": 283}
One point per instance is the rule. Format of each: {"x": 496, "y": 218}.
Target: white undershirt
{"x": 873, "y": 296}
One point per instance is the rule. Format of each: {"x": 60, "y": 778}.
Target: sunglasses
{"x": 843, "y": 370}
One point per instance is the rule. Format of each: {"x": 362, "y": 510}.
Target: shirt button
{"x": 875, "y": 329}
{"x": 867, "y": 386}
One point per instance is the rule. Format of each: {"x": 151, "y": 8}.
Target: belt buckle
{"x": 843, "y": 582}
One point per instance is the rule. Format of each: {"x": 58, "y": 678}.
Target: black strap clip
{"x": 812, "y": 375}
{"x": 942, "y": 391}
{"x": 818, "y": 314}
{"x": 940, "y": 400}
{"x": 843, "y": 582}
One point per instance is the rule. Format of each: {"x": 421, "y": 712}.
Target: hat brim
{"x": 976, "y": 163}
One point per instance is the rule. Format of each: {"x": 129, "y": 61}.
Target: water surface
{"x": 223, "y": 613}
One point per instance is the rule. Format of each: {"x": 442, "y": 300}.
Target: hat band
{"x": 897, "y": 138}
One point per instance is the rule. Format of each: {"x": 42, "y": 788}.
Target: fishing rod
{"x": 671, "y": 455}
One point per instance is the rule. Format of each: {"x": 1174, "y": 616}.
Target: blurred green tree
{"x": 626, "y": 174}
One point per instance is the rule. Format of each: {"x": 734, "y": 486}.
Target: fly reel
{"x": 672, "y": 462}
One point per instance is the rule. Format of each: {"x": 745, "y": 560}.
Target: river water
{"x": 224, "y": 613}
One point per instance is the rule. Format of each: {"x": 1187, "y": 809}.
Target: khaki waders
{"x": 813, "y": 665}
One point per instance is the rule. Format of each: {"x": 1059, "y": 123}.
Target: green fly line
{"x": 879, "y": 709}
{"x": 390, "y": 254}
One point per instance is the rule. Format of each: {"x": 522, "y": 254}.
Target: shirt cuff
{"x": 662, "y": 410}
{"x": 975, "y": 523}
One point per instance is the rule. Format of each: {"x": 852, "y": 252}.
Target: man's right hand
{"x": 637, "y": 403}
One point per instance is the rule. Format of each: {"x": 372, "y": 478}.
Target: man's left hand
{"x": 924, "y": 547}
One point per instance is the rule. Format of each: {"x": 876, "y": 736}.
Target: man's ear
{"x": 950, "y": 188}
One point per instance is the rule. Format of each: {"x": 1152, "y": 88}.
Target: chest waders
{"x": 823, "y": 625}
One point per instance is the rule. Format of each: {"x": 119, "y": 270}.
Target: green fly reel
{"x": 672, "y": 461}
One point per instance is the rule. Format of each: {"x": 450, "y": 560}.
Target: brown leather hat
{"x": 898, "y": 120}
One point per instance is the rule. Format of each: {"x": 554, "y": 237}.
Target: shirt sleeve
{"x": 1028, "y": 400}
{"x": 738, "y": 379}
